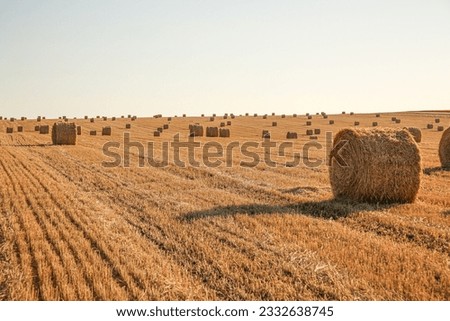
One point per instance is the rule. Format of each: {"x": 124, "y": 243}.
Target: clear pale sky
{"x": 171, "y": 57}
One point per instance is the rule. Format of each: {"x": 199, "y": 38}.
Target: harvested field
{"x": 73, "y": 229}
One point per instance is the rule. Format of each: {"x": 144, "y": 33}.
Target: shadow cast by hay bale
{"x": 431, "y": 170}
{"x": 327, "y": 209}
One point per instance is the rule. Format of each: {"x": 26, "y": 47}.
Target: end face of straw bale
{"x": 380, "y": 165}
{"x": 444, "y": 149}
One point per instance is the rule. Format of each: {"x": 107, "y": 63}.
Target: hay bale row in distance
{"x": 444, "y": 149}
{"x": 291, "y": 135}
{"x": 20, "y": 129}
{"x": 212, "y": 132}
{"x": 196, "y": 130}
{"x": 415, "y": 132}
{"x": 265, "y": 117}
{"x": 64, "y": 133}
{"x": 211, "y": 118}
{"x": 369, "y": 155}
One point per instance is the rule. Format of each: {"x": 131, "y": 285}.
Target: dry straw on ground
{"x": 444, "y": 149}
{"x": 64, "y": 134}
{"x": 375, "y": 165}
{"x": 212, "y": 132}
{"x": 415, "y": 132}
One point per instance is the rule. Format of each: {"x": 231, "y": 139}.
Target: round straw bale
{"x": 255, "y": 115}
{"x": 393, "y": 118}
{"x": 127, "y": 126}
{"x": 274, "y": 124}
{"x": 429, "y": 126}
{"x": 224, "y": 132}
{"x": 331, "y": 122}
{"x": 184, "y": 115}
{"x": 195, "y": 130}
{"x": 78, "y": 130}
{"x": 377, "y": 115}
{"x": 166, "y": 126}
{"x": 265, "y": 134}
{"x": 228, "y": 123}
{"x": 233, "y": 116}
{"x": 64, "y": 133}
{"x": 398, "y": 121}
{"x": 352, "y": 113}
{"x": 309, "y": 117}
{"x": 273, "y": 114}
{"x": 160, "y": 129}
{"x": 440, "y": 128}
{"x": 437, "y": 120}
{"x": 356, "y": 123}
{"x": 309, "y": 132}
{"x": 92, "y": 120}
{"x": 169, "y": 118}
{"x": 317, "y": 131}
{"x": 9, "y": 130}
{"x": 225, "y": 116}
{"x": 212, "y": 132}
{"x": 325, "y": 116}
{"x": 415, "y": 132}
{"x": 265, "y": 117}
{"x": 222, "y": 124}
{"x": 86, "y": 117}
{"x": 45, "y": 129}
{"x": 294, "y": 115}
{"x": 291, "y": 135}
{"x": 374, "y": 124}
{"x": 375, "y": 165}
{"x": 156, "y": 133}
{"x": 283, "y": 116}
{"x": 106, "y": 131}
{"x": 313, "y": 137}
{"x": 308, "y": 123}
{"x": 36, "y": 128}
{"x": 343, "y": 113}
{"x": 93, "y": 132}
{"x": 307, "y": 114}
{"x": 20, "y": 129}
{"x": 444, "y": 149}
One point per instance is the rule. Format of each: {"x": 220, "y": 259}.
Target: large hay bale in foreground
{"x": 381, "y": 165}
{"x": 44, "y": 129}
{"x": 212, "y": 132}
{"x": 106, "y": 131}
{"x": 415, "y": 132}
{"x": 64, "y": 134}
{"x": 444, "y": 149}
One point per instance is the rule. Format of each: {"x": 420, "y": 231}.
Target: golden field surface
{"x": 73, "y": 229}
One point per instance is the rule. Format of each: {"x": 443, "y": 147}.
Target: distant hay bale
{"x": 224, "y": 132}
{"x": 113, "y": 119}
{"x": 222, "y": 124}
{"x": 169, "y": 118}
{"x": 228, "y": 123}
{"x": 356, "y": 123}
{"x": 429, "y": 126}
{"x": 398, "y": 121}
{"x": 325, "y": 116}
{"x": 437, "y": 120}
{"x": 444, "y": 149}
{"x": 274, "y": 124}
{"x": 312, "y": 137}
{"x": 9, "y": 130}
{"x": 78, "y": 130}
{"x": 308, "y": 123}
{"x": 202, "y": 115}
{"x": 246, "y": 114}
{"x": 39, "y": 118}
{"x": 23, "y": 118}
{"x": 12, "y": 119}
{"x": 133, "y": 118}
{"x": 44, "y": 129}
{"x": 273, "y": 114}
{"x": 1, "y": 117}
{"x": 127, "y": 126}
{"x": 86, "y": 117}
{"x": 214, "y": 115}
{"x": 36, "y": 128}
{"x": 294, "y": 115}
{"x": 225, "y": 116}
{"x": 129, "y": 116}
{"x": 212, "y": 132}
{"x": 377, "y": 115}
{"x": 160, "y": 129}
{"x": 156, "y": 133}
{"x": 380, "y": 166}
{"x": 440, "y": 128}
{"x": 317, "y": 114}
{"x": 255, "y": 115}
{"x": 415, "y": 132}
{"x": 93, "y": 133}
{"x": 309, "y": 117}
{"x": 211, "y": 118}
{"x": 105, "y": 118}
{"x": 122, "y": 116}
{"x": 352, "y": 113}
{"x": 343, "y": 113}
{"x": 283, "y": 116}
{"x": 291, "y": 135}
{"x": 184, "y": 115}
{"x": 394, "y": 118}
{"x": 316, "y": 131}
{"x": 64, "y": 133}
{"x": 92, "y": 120}
{"x": 374, "y": 124}
{"x": 307, "y": 114}
{"x": 233, "y": 116}
{"x": 331, "y": 122}
{"x": 195, "y": 130}
{"x": 265, "y": 134}
{"x": 20, "y": 129}
{"x": 106, "y": 131}
{"x": 98, "y": 117}
{"x": 309, "y": 132}
{"x": 43, "y": 117}
{"x": 166, "y": 126}
{"x": 265, "y": 117}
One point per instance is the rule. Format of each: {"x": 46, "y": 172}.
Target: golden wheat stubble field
{"x": 72, "y": 229}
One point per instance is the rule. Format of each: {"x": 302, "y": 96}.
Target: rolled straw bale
{"x": 160, "y": 129}
{"x": 291, "y": 135}
{"x": 44, "y": 129}
{"x": 169, "y": 118}
{"x": 325, "y": 116}
{"x": 317, "y": 131}
{"x": 106, "y": 131}
{"x": 225, "y": 116}
{"x": 317, "y": 114}
{"x": 195, "y": 130}
{"x": 393, "y": 118}
{"x": 356, "y": 123}
{"x": 211, "y": 118}
{"x": 184, "y": 115}
{"x": 246, "y": 114}
{"x": 265, "y": 134}
{"x": 113, "y": 119}
{"x": 374, "y": 124}
{"x": 294, "y": 115}
{"x": 415, "y": 132}
{"x": 23, "y": 118}
{"x": 228, "y": 123}
{"x": 444, "y": 149}
{"x": 309, "y": 132}
{"x": 308, "y": 123}
{"x": 156, "y": 133}
{"x": 78, "y": 130}
{"x": 166, "y": 126}
{"x": 202, "y": 115}
{"x": 105, "y": 118}
{"x": 343, "y": 113}
{"x": 429, "y": 126}
{"x": 9, "y": 130}
{"x": 307, "y": 114}
{"x": 86, "y": 117}
{"x": 212, "y": 132}
{"x": 127, "y": 126}
{"x": 1, "y": 117}
{"x": 274, "y": 124}
{"x": 129, "y": 116}
{"x": 265, "y": 117}
{"x": 313, "y": 137}
{"x": 39, "y": 118}
{"x": 309, "y": 117}
{"x": 255, "y": 115}
{"x": 331, "y": 122}
{"x": 214, "y": 115}
{"x": 12, "y": 119}
{"x": 398, "y": 121}
{"x": 283, "y": 116}
{"x": 224, "y": 132}
{"x": 93, "y": 132}
{"x": 437, "y": 120}
{"x": 222, "y": 124}
{"x": 377, "y": 115}
{"x": 273, "y": 114}
{"x": 64, "y": 133}
{"x": 352, "y": 113}
{"x": 233, "y": 116}
{"x": 92, "y": 120}
{"x": 19, "y": 129}
{"x": 43, "y": 117}
{"x": 36, "y": 128}
{"x": 375, "y": 165}
{"x": 440, "y": 128}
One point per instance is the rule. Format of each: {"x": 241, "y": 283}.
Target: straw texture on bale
{"x": 212, "y": 132}
{"x": 291, "y": 135}
{"x": 106, "y": 131}
{"x": 9, "y": 130}
{"x": 430, "y": 126}
{"x": 64, "y": 134}
{"x": 195, "y": 130}
{"x": 45, "y": 129}
{"x": 383, "y": 165}
{"x": 224, "y": 132}
{"x": 444, "y": 149}
{"x": 415, "y": 132}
